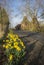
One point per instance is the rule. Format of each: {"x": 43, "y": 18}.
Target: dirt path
{"x": 34, "y": 47}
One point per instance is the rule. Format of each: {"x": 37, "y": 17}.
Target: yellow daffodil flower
{"x": 10, "y": 57}
{"x": 18, "y": 48}
{"x": 6, "y": 47}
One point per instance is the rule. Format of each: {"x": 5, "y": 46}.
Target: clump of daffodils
{"x": 14, "y": 48}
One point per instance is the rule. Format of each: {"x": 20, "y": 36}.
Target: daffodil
{"x": 18, "y": 48}
{"x": 4, "y": 45}
{"x": 7, "y": 40}
{"x": 3, "y": 40}
{"x": 10, "y": 57}
{"x": 16, "y": 43}
{"x": 13, "y": 45}
{"x": 22, "y": 43}
{"x": 14, "y": 39}
{"x": 9, "y": 45}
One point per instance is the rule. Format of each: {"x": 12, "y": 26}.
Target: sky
{"x": 13, "y": 9}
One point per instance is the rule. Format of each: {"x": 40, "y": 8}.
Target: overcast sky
{"x": 13, "y": 9}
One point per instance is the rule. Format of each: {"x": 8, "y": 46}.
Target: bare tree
{"x": 32, "y": 9}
